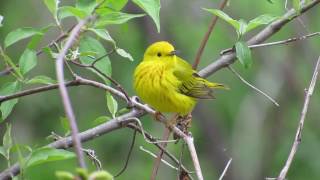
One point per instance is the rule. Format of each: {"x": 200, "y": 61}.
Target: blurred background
{"x": 239, "y": 124}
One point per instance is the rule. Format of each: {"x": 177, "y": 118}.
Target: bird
{"x": 168, "y": 83}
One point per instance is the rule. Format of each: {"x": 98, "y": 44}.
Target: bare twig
{"x": 156, "y": 164}
{"x": 155, "y": 156}
{"x": 207, "y": 35}
{"x": 113, "y": 81}
{"x": 6, "y": 71}
{"x": 252, "y": 86}
{"x": 225, "y": 169}
{"x": 93, "y": 157}
{"x": 285, "y": 42}
{"x": 297, "y": 138}
{"x": 129, "y": 154}
{"x": 267, "y": 32}
{"x": 189, "y": 140}
{"x": 172, "y": 157}
{"x": 87, "y": 135}
{"x": 36, "y": 90}
{"x": 64, "y": 93}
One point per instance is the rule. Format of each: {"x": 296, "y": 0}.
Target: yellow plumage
{"x": 168, "y": 83}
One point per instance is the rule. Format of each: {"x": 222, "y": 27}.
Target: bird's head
{"x": 159, "y": 51}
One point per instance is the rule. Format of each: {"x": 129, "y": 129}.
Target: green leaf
{"x": 101, "y": 175}
{"x": 41, "y": 80}
{"x": 19, "y": 34}
{"x": 67, "y": 11}
{"x": 65, "y": 125}
{"x": 89, "y": 44}
{"x": 8, "y": 60}
{"x": 243, "y": 54}
{"x": 27, "y": 61}
{"x": 64, "y": 175}
{"x": 86, "y": 5}
{"x": 35, "y": 40}
{"x": 270, "y": 1}
{"x": 1, "y": 19}
{"x": 243, "y": 27}
{"x": 122, "y": 111}
{"x": 2, "y": 152}
{"x": 104, "y": 34}
{"x": 112, "y": 105}
{"x": 7, "y": 106}
{"x": 46, "y": 154}
{"x": 116, "y": 5}
{"x": 124, "y": 54}
{"x": 260, "y": 20}
{"x": 225, "y": 17}
{"x": 100, "y": 120}
{"x": 152, "y": 8}
{"x": 52, "y": 5}
{"x": 296, "y": 5}
{"x": 115, "y": 18}
{"x": 7, "y": 141}
{"x": 19, "y": 147}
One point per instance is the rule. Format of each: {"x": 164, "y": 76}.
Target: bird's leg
{"x": 183, "y": 123}
{"x": 165, "y": 137}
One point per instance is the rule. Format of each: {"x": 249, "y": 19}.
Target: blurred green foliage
{"x": 240, "y": 123}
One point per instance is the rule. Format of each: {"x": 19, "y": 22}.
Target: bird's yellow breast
{"x": 157, "y": 86}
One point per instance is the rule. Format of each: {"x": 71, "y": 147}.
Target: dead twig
{"x": 64, "y": 93}
{"x": 304, "y": 111}
{"x": 207, "y": 35}
{"x": 252, "y": 86}
{"x": 285, "y": 42}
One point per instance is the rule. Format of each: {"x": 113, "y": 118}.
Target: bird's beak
{"x": 174, "y": 52}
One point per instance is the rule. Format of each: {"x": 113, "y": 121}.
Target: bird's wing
{"x": 191, "y": 83}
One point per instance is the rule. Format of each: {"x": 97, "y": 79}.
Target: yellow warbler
{"x": 168, "y": 83}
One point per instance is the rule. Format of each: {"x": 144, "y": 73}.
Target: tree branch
{"x": 64, "y": 93}
{"x": 297, "y": 138}
{"x": 207, "y": 35}
{"x": 87, "y": 135}
{"x": 287, "y": 41}
{"x": 267, "y": 32}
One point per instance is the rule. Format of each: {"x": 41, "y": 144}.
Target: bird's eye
{"x": 159, "y": 54}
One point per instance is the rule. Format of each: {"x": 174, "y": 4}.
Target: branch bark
{"x": 87, "y": 135}
{"x": 266, "y": 33}
{"x": 64, "y": 92}
{"x": 207, "y": 35}
{"x": 304, "y": 111}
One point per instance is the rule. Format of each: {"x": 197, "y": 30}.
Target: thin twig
{"x": 285, "y": 42}
{"x": 252, "y": 86}
{"x": 155, "y": 156}
{"x": 64, "y": 93}
{"x": 36, "y": 90}
{"x": 260, "y": 37}
{"x": 304, "y": 111}
{"x": 129, "y": 154}
{"x": 6, "y": 71}
{"x": 113, "y": 81}
{"x": 93, "y": 157}
{"x": 189, "y": 140}
{"x": 225, "y": 169}
{"x": 172, "y": 157}
{"x": 156, "y": 164}
{"x": 207, "y": 35}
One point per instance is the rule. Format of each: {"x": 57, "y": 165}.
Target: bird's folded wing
{"x": 191, "y": 83}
